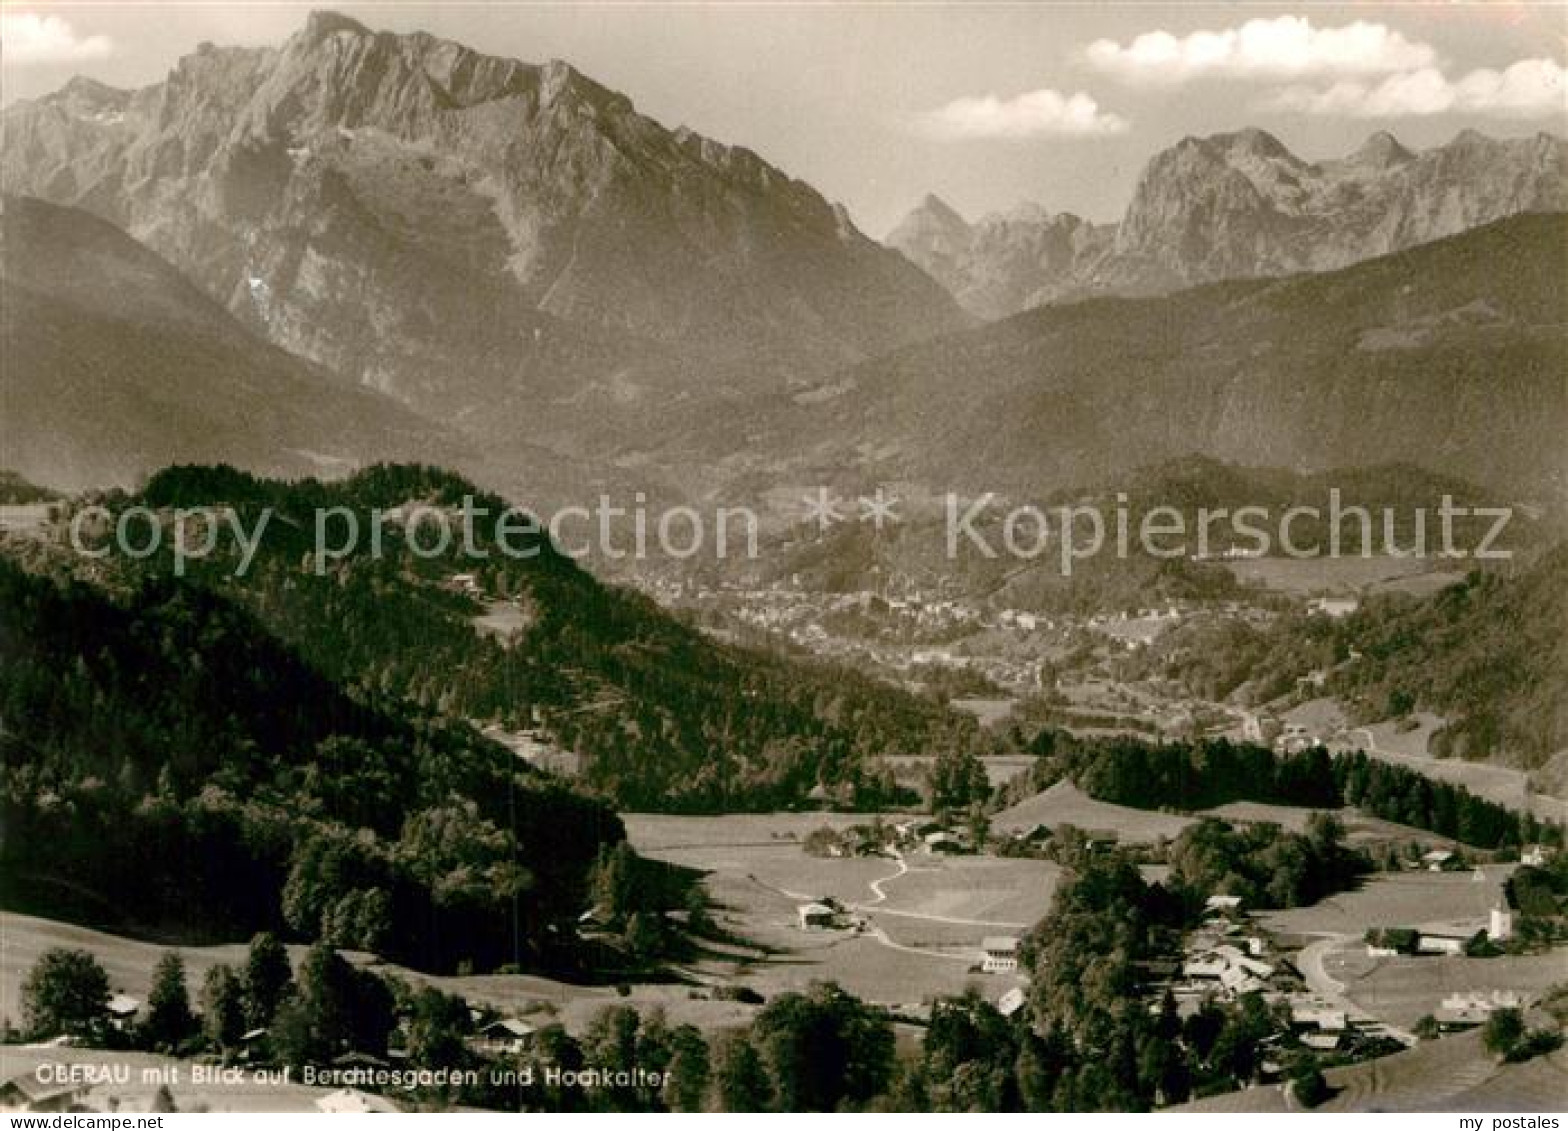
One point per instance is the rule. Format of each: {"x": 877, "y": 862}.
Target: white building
{"x": 1000, "y": 954}
{"x": 1010, "y": 1002}
{"x": 1437, "y": 943}
{"x": 1500, "y": 924}
{"x": 123, "y": 1010}
{"x": 1536, "y": 855}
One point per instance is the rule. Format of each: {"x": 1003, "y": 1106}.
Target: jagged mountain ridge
{"x": 499, "y": 243}
{"x": 1004, "y": 262}
{"x": 1238, "y": 205}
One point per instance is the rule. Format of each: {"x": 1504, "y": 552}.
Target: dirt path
{"x": 874, "y": 906}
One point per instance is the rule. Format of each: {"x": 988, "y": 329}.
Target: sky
{"x": 988, "y": 105}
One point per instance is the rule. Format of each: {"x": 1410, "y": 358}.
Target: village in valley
{"x": 910, "y": 908}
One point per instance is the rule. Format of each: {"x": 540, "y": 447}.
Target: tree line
{"x": 1190, "y": 776}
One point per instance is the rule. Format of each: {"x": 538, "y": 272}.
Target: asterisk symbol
{"x": 823, "y": 509}
{"x": 878, "y": 508}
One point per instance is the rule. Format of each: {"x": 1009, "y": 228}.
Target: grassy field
{"x": 1000, "y": 769}
{"x": 1452, "y": 1074}
{"x": 1343, "y": 575}
{"x": 988, "y": 711}
{"x": 1360, "y": 830}
{"x": 129, "y": 964}
{"x": 1403, "y": 990}
{"x": 1395, "y": 899}
{"x": 922, "y": 918}
{"x": 1408, "y": 748}
{"x": 1502, "y": 784}
{"x": 1065, "y": 803}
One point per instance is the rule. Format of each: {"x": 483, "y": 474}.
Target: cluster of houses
{"x": 1469, "y": 1009}
{"x": 1221, "y": 959}
{"x": 893, "y": 839}
{"x": 1283, "y": 737}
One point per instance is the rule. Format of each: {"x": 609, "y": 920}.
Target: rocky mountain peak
{"x": 1381, "y": 150}
{"x": 427, "y": 218}
{"x": 321, "y": 23}
{"x": 939, "y": 209}
{"x": 933, "y": 219}
{"x": 1254, "y": 142}
{"x": 1240, "y": 205}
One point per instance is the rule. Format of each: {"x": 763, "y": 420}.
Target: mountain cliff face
{"x": 1005, "y": 262}
{"x": 457, "y": 229}
{"x": 1241, "y": 205}
{"x": 1448, "y": 356}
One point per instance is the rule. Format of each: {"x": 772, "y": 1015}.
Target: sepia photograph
{"x": 781, "y": 556}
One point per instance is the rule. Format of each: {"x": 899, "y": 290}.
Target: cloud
{"x": 1038, "y": 113}
{"x": 29, "y": 38}
{"x": 1285, "y": 47}
{"x": 1530, "y": 88}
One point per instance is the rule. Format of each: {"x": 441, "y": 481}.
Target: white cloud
{"x": 1285, "y": 47}
{"x": 26, "y": 37}
{"x": 1530, "y": 88}
{"x": 1038, "y": 113}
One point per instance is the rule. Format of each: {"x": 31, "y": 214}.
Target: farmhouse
{"x": 1208, "y": 965}
{"x": 1313, "y": 1014}
{"x": 1237, "y": 972}
{"x": 944, "y": 842}
{"x": 505, "y": 1035}
{"x": 1463, "y": 1010}
{"x": 1010, "y": 1002}
{"x": 1262, "y": 729}
{"x": 26, "y": 1092}
{"x": 1333, "y": 607}
{"x": 815, "y": 916}
{"x": 1537, "y": 855}
{"x": 1238, "y": 982}
{"x": 1441, "y": 942}
{"x": 122, "y": 1011}
{"x": 1001, "y": 954}
{"x": 464, "y": 583}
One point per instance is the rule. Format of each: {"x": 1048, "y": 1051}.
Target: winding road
{"x": 1310, "y": 963}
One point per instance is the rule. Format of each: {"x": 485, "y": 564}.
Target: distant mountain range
{"x": 1449, "y": 356}
{"x": 1236, "y": 206}
{"x": 361, "y": 245}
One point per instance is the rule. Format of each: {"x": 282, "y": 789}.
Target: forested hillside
{"x": 1489, "y": 654}
{"x": 664, "y": 717}
{"x": 171, "y": 768}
